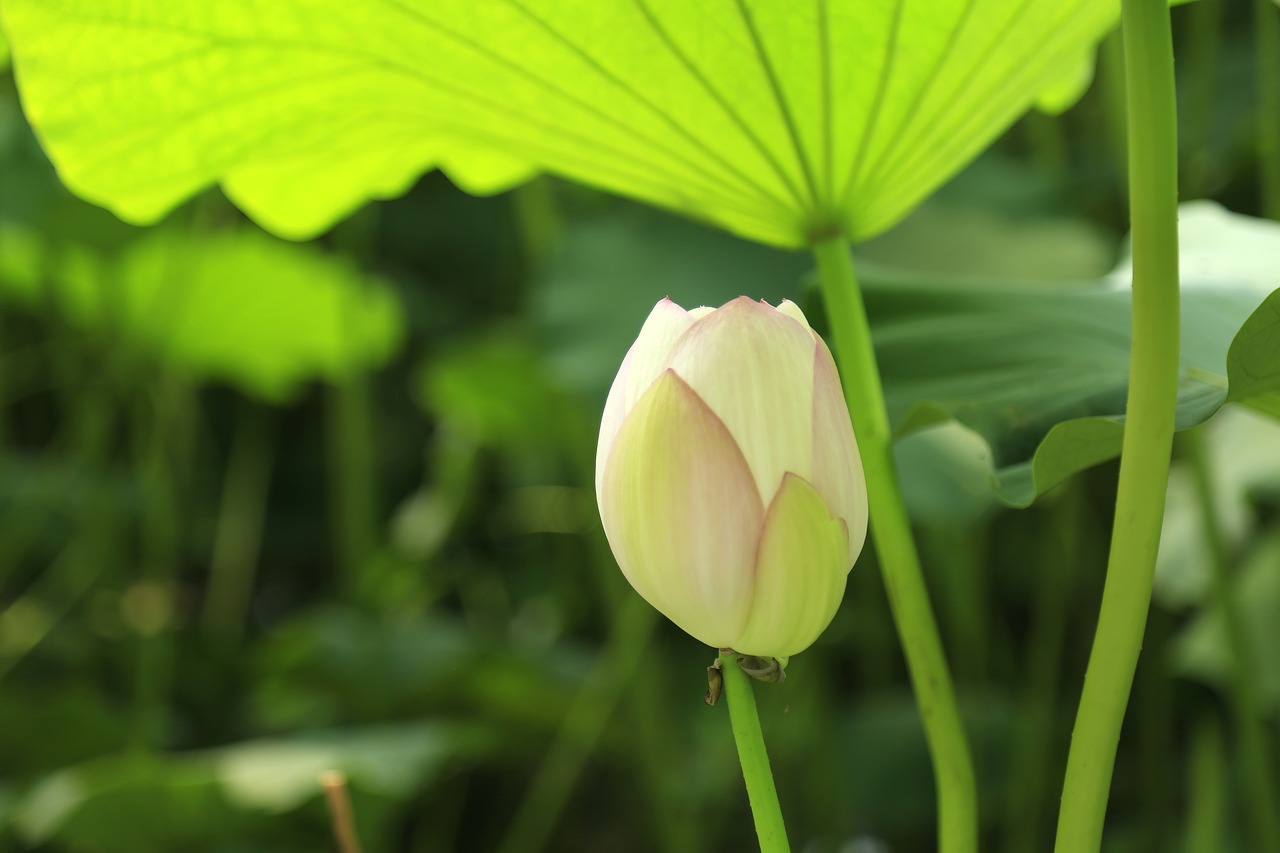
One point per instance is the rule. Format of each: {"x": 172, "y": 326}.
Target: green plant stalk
{"x": 745, "y": 723}
{"x": 1200, "y": 95}
{"x": 678, "y": 824}
{"x": 617, "y": 669}
{"x": 351, "y": 446}
{"x": 1267, "y": 33}
{"x": 161, "y": 438}
{"x": 1149, "y": 424}
{"x": 1036, "y": 754}
{"x": 583, "y": 725}
{"x": 899, "y": 562}
{"x": 1154, "y": 744}
{"x": 1111, "y": 62}
{"x": 1206, "y": 791}
{"x": 961, "y": 586}
{"x": 353, "y": 476}
{"x": 1261, "y": 793}
{"x": 66, "y": 581}
{"x": 6, "y": 359}
{"x": 236, "y": 543}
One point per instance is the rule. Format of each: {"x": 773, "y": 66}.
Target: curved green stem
{"x": 755, "y": 760}
{"x": 1149, "y": 424}
{"x": 1253, "y": 749}
{"x": 899, "y": 562}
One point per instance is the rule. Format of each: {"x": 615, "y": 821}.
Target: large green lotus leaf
{"x": 1254, "y": 360}
{"x": 778, "y": 120}
{"x": 141, "y": 803}
{"x": 239, "y": 307}
{"x": 1042, "y": 371}
{"x": 1038, "y": 369}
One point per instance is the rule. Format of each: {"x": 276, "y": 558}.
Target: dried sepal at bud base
{"x": 728, "y": 477}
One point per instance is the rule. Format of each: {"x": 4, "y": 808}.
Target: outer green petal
{"x": 754, "y": 368}
{"x": 682, "y": 513}
{"x": 837, "y": 467}
{"x": 646, "y": 359}
{"x": 800, "y": 573}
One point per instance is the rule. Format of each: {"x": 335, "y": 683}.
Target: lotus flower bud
{"x": 728, "y": 478}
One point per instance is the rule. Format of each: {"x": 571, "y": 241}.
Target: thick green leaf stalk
{"x": 899, "y": 562}
{"x": 1149, "y": 425}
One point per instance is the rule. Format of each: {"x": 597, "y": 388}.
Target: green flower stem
{"x": 1267, "y": 33}
{"x": 241, "y": 516}
{"x": 1149, "y": 422}
{"x": 1200, "y": 61}
{"x": 163, "y": 431}
{"x": 1111, "y": 80}
{"x": 1206, "y": 791}
{"x": 1253, "y": 750}
{"x": 899, "y": 563}
{"x": 352, "y": 476}
{"x": 755, "y": 760}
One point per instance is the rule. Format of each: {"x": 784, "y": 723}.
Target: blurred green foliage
{"x": 270, "y": 509}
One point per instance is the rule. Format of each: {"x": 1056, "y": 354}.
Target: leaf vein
{"x": 715, "y": 94}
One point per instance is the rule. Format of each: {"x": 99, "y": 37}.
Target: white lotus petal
{"x": 754, "y": 368}
{"x": 793, "y": 311}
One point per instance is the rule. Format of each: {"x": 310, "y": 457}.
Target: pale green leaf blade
{"x": 779, "y": 121}
{"x": 1254, "y": 359}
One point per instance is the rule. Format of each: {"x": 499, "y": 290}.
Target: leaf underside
{"x": 1039, "y": 370}
{"x": 780, "y": 121}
